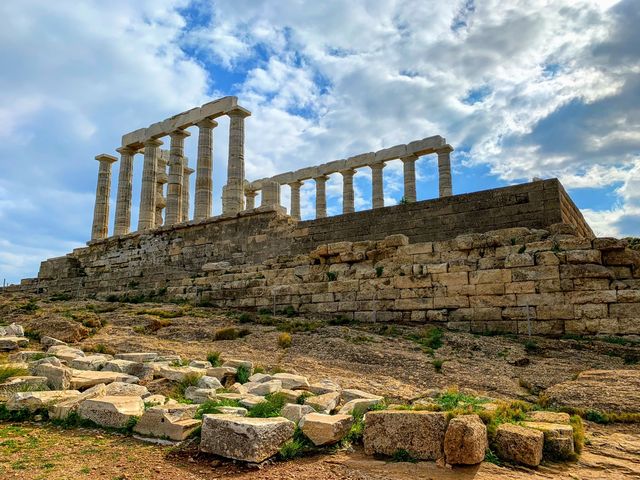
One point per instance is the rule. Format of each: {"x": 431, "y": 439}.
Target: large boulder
{"x": 291, "y": 381}
{"x": 519, "y": 444}
{"x": 325, "y": 429}
{"x": 558, "y": 439}
{"x": 62, "y": 409}
{"x": 209, "y": 382}
{"x": 294, "y": 412}
{"x": 174, "y": 422}
{"x": 324, "y": 403}
{"x": 36, "y": 400}
{"x": 244, "y": 438}
{"x": 466, "y": 441}
{"x": 602, "y": 390}
{"x": 88, "y": 378}
{"x": 58, "y": 378}
{"x": 13, "y": 343}
{"x": 111, "y": 411}
{"x": 420, "y": 433}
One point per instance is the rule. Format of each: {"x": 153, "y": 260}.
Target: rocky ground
{"x": 400, "y": 362}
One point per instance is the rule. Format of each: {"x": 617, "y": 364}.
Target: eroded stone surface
{"x": 324, "y": 403}
{"x": 558, "y": 439}
{"x": 519, "y": 444}
{"x": 111, "y": 411}
{"x": 172, "y": 422}
{"x": 35, "y": 400}
{"x": 325, "y": 429}
{"x": 465, "y": 441}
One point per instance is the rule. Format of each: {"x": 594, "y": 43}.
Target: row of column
{"x": 377, "y": 189}
{"x": 154, "y": 176}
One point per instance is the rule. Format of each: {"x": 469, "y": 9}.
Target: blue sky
{"x": 521, "y": 89}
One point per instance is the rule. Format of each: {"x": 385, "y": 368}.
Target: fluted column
{"x": 409, "y": 167}
{"x": 100, "y": 227}
{"x": 125, "y": 188}
{"x": 235, "y": 167}
{"x": 186, "y": 182}
{"x": 161, "y": 181}
{"x": 176, "y": 172}
{"x": 321, "y": 196}
{"x": 295, "y": 199}
{"x": 377, "y": 189}
{"x": 250, "y": 195}
{"x": 204, "y": 168}
{"x": 146, "y": 218}
{"x": 348, "y": 200}
{"x": 444, "y": 171}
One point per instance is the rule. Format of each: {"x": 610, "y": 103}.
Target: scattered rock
{"x": 114, "y": 412}
{"x": 200, "y": 364}
{"x": 57, "y": 327}
{"x": 153, "y": 400}
{"x": 137, "y": 356}
{"x": 239, "y": 411}
{"x": 172, "y": 422}
{"x": 261, "y": 389}
{"x": 549, "y": 417}
{"x": 62, "y": 409}
{"x": 420, "y": 433}
{"x": 119, "y": 365}
{"x": 209, "y": 382}
{"x": 558, "y": 439}
{"x": 58, "y": 378}
{"x": 122, "y": 389}
{"x": 27, "y": 382}
{"x": 235, "y": 363}
{"x": 290, "y": 396}
{"x": 353, "y": 394}
{"x": 519, "y": 444}
{"x": 12, "y": 343}
{"x": 325, "y": 429}
{"x": 36, "y": 400}
{"x": 88, "y": 378}
{"x": 48, "y": 341}
{"x": 64, "y": 352}
{"x": 250, "y": 401}
{"x": 358, "y": 406}
{"x": 294, "y": 412}
{"x": 199, "y": 395}
{"x": 291, "y": 381}
{"x": 325, "y": 403}
{"x": 260, "y": 377}
{"x": 14, "y": 330}
{"x": 324, "y": 386}
{"x": 244, "y": 438}
{"x": 225, "y": 375}
{"x": 466, "y": 440}
{"x": 179, "y": 374}
{"x": 91, "y": 362}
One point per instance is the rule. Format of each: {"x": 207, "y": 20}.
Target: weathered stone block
{"x": 558, "y": 439}
{"x": 111, "y": 411}
{"x": 519, "y": 444}
{"x": 325, "y": 429}
{"x": 465, "y": 441}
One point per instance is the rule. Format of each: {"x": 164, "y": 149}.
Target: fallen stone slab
{"x": 465, "y": 441}
{"x": 238, "y": 411}
{"x": 81, "y": 379}
{"x": 172, "y": 422}
{"x": 558, "y": 439}
{"x": 47, "y": 341}
{"x": 354, "y": 394}
{"x": 519, "y": 444}
{"x": 153, "y": 400}
{"x": 260, "y": 377}
{"x": 200, "y": 364}
{"x": 323, "y": 386}
{"x": 324, "y": 429}
{"x": 33, "y": 401}
{"x": 291, "y": 381}
{"x": 137, "y": 356}
{"x": 199, "y": 395}
{"x": 25, "y": 356}
{"x": 90, "y": 362}
{"x": 261, "y": 389}
{"x": 294, "y": 412}
{"x": 548, "y": 417}
{"x": 225, "y": 375}
{"x": 209, "y": 382}
{"x": 61, "y": 410}
{"x": 13, "y": 330}
{"x": 236, "y": 363}
{"x": 111, "y": 411}
{"x": 290, "y": 396}
{"x": 12, "y": 343}
{"x": 25, "y": 382}
{"x": 123, "y": 389}
{"x": 244, "y": 438}
{"x": 420, "y": 433}
{"x": 359, "y": 406}
{"x": 64, "y": 352}
{"x": 250, "y": 401}
{"x": 601, "y": 390}
{"x": 58, "y": 378}
{"x": 55, "y": 361}
{"x": 325, "y": 403}
{"x": 179, "y": 374}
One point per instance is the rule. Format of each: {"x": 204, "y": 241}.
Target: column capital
{"x": 179, "y": 134}
{"x": 207, "y": 123}
{"x": 103, "y": 157}
{"x": 446, "y": 149}
{"x": 349, "y": 172}
{"x": 377, "y": 166}
{"x": 409, "y": 158}
{"x": 127, "y": 150}
{"x": 153, "y": 142}
{"x": 250, "y": 193}
{"x": 239, "y": 112}
{"x": 296, "y": 183}
{"x": 188, "y": 170}
{"x": 321, "y": 178}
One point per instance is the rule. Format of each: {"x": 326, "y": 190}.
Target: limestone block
{"x": 13, "y": 343}
{"x": 265, "y": 388}
{"x": 209, "y": 382}
{"x": 260, "y": 377}
{"x": 558, "y": 439}
{"x": 583, "y": 256}
{"x": 465, "y": 441}
{"x": 111, "y": 411}
{"x": 420, "y": 433}
{"x": 235, "y": 363}
{"x": 519, "y": 444}
{"x": 64, "y": 352}
{"x": 58, "y": 378}
{"x": 546, "y": 259}
{"x": 88, "y": 378}
{"x": 91, "y": 362}
{"x": 22, "y": 383}
{"x": 118, "y": 365}
{"x": 586, "y": 270}
{"x": 174, "y": 422}
{"x": 200, "y": 364}
{"x": 62, "y": 409}
{"x": 391, "y": 153}
{"x": 223, "y": 374}
{"x": 13, "y": 330}
{"x": 250, "y": 401}
{"x": 548, "y": 417}
{"x": 324, "y": 403}
{"x": 608, "y": 243}
{"x": 555, "y": 312}
{"x": 596, "y": 296}
{"x": 122, "y": 389}
{"x": 397, "y": 240}
{"x": 179, "y": 374}
{"x": 524, "y": 274}
{"x": 491, "y": 276}
{"x": 358, "y": 406}
{"x": 325, "y": 429}
{"x": 137, "y": 356}
{"x": 350, "y": 394}
{"x": 625, "y": 310}
{"x": 324, "y": 386}
{"x": 33, "y": 401}
{"x": 243, "y": 438}
{"x": 291, "y": 381}
{"x": 200, "y": 395}
{"x": 294, "y": 412}
{"x": 519, "y": 260}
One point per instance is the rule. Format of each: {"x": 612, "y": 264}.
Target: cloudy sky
{"x": 524, "y": 88}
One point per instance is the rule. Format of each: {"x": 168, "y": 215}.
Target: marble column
{"x": 125, "y": 188}
{"x": 204, "y": 175}
{"x": 444, "y": 171}
{"x": 235, "y": 167}
{"x": 161, "y": 180}
{"x": 409, "y": 167}
{"x": 100, "y": 227}
{"x": 295, "y": 199}
{"x": 176, "y": 172}
{"x": 250, "y": 195}
{"x": 146, "y": 218}
{"x": 186, "y": 182}
{"x": 321, "y": 196}
{"x": 377, "y": 189}
{"x": 348, "y": 200}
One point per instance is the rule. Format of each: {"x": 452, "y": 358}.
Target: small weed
{"x": 403, "y": 201}
{"x": 379, "y": 271}
{"x": 296, "y": 447}
{"x": 340, "y": 320}
{"x": 60, "y": 297}
{"x": 522, "y": 249}
{"x": 289, "y": 311}
{"x": 491, "y": 457}
{"x": 596, "y": 416}
{"x": 513, "y": 241}
{"x": 284, "y": 340}
{"x": 242, "y": 374}
{"x": 402, "y": 455}
{"x": 214, "y": 359}
{"x": 101, "y": 348}
{"x": 331, "y": 276}
{"x": 213, "y": 406}
{"x": 264, "y": 311}
{"x": 454, "y": 400}
{"x": 30, "y": 307}
{"x": 271, "y": 407}
{"x": 530, "y": 346}
{"x": 230, "y": 333}
{"x": 430, "y": 338}
{"x": 246, "y": 318}
{"x": 437, "y": 364}
{"x": 189, "y": 380}
{"x": 157, "y": 312}
{"x": 578, "y": 433}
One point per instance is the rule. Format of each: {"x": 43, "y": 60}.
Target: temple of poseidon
{"x": 513, "y": 259}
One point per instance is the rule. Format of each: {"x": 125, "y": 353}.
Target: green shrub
{"x": 284, "y": 340}
{"x": 213, "y": 406}
{"x": 296, "y": 447}
{"x": 289, "y": 311}
{"x": 597, "y": 417}
{"x": 190, "y": 380}
{"x": 29, "y": 307}
{"x": 379, "y": 271}
{"x": 454, "y": 400}
{"x": 429, "y": 338}
{"x": 245, "y": 318}
{"x": 8, "y": 371}
{"x": 242, "y": 374}
{"x": 230, "y": 333}
{"x": 491, "y": 457}
{"x": 157, "y": 312}
{"x": 101, "y": 348}
{"x": 578, "y": 433}
{"x": 340, "y": 320}
{"x": 530, "y": 346}
{"x": 331, "y": 276}
{"x": 522, "y": 249}
{"x": 214, "y": 359}
{"x": 60, "y": 297}
{"x": 271, "y": 407}
{"x": 437, "y": 364}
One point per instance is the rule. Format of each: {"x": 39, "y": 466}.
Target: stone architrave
{"x": 348, "y": 198}
{"x": 321, "y": 196}
{"x": 377, "y": 189}
{"x": 295, "y": 199}
{"x": 444, "y": 171}
{"x": 409, "y": 168}
{"x": 125, "y": 188}
{"x": 176, "y": 173}
{"x": 234, "y": 194}
{"x": 186, "y": 182}
{"x": 100, "y": 228}
{"x": 204, "y": 175}
{"x": 250, "y": 196}
{"x": 146, "y": 219}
